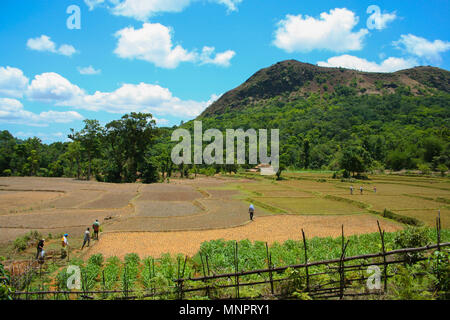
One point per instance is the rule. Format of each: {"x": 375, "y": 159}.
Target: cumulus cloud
{"x": 390, "y": 64}
{"x": 422, "y": 48}
{"x": 54, "y": 89}
{"x": 153, "y": 43}
{"x": 88, "y": 70}
{"x": 93, "y": 3}
{"x": 378, "y": 20}
{"x": 142, "y": 97}
{"x": 332, "y": 31}
{"x": 12, "y": 82}
{"x": 51, "y": 86}
{"x": 142, "y": 10}
{"x": 44, "y": 43}
{"x": 220, "y": 59}
{"x": 12, "y": 111}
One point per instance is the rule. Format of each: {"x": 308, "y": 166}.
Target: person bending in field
{"x": 87, "y": 238}
{"x": 251, "y": 211}
{"x": 351, "y": 189}
{"x": 40, "y": 248}
{"x": 96, "y": 227}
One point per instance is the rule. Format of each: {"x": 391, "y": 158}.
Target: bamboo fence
{"x": 212, "y": 285}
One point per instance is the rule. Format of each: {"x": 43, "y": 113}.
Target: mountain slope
{"x": 292, "y": 79}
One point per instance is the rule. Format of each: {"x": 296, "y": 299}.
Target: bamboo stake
{"x": 306, "y": 260}
{"x": 384, "y": 255}
{"x": 269, "y": 267}
{"x": 236, "y": 263}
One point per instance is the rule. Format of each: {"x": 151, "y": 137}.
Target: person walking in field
{"x": 351, "y": 189}
{"x": 361, "y": 190}
{"x": 87, "y": 238}
{"x": 96, "y": 227}
{"x": 251, "y": 211}
{"x": 40, "y": 248}
{"x": 374, "y": 189}
{"x": 64, "y": 245}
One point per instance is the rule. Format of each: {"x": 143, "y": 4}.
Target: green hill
{"x": 389, "y": 120}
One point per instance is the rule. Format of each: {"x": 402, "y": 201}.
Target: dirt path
{"x": 270, "y": 228}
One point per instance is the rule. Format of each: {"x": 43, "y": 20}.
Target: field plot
{"x": 166, "y": 209}
{"x": 76, "y": 199}
{"x": 309, "y": 186}
{"x": 380, "y": 202}
{"x": 428, "y": 216}
{"x": 270, "y": 228}
{"x": 110, "y": 201}
{"x": 312, "y": 205}
{"x": 16, "y": 201}
{"x": 49, "y": 219}
{"x": 222, "y": 194}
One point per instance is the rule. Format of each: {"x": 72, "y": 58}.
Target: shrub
{"x": 411, "y": 237}
{"x": 96, "y": 259}
{"x": 424, "y": 168}
{"x": 20, "y": 244}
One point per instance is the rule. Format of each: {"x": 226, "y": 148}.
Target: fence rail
{"x": 334, "y": 288}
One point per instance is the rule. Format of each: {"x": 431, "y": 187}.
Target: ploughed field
{"x": 177, "y": 216}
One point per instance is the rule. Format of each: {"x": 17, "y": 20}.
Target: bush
{"x": 20, "y": 244}
{"x": 424, "y": 168}
{"x": 442, "y": 168}
{"x": 96, "y": 259}
{"x": 411, "y": 237}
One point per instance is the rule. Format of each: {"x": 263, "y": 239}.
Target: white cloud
{"x": 88, "y": 70}
{"x": 44, "y": 43}
{"x": 153, "y": 43}
{"x": 12, "y": 111}
{"x": 93, "y": 3}
{"x": 421, "y": 47}
{"x": 51, "y": 86}
{"x": 221, "y": 59}
{"x": 142, "y": 10}
{"x": 12, "y": 82}
{"x": 390, "y": 64}
{"x": 333, "y": 31}
{"x": 378, "y": 20}
{"x": 142, "y": 97}
{"x": 55, "y": 89}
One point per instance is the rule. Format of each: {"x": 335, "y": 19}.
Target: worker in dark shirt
{"x": 40, "y": 247}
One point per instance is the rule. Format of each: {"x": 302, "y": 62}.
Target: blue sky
{"x": 174, "y": 57}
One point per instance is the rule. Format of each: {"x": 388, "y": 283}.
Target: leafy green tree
{"x": 89, "y": 138}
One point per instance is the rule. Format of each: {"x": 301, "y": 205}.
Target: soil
{"x": 269, "y": 228}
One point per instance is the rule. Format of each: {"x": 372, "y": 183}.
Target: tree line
{"x": 345, "y": 132}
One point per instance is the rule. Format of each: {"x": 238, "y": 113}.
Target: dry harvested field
{"x": 178, "y": 216}
{"x": 274, "y": 228}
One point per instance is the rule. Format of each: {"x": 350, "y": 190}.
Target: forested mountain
{"x": 329, "y": 118}
{"x": 329, "y": 115}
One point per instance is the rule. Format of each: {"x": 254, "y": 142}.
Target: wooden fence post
{"x": 306, "y": 260}
{"x": 236, "y": 264}
{"x": 384, "y": 256}
{"x": 341, "y": 266}
{"x": 269, "y": 266}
